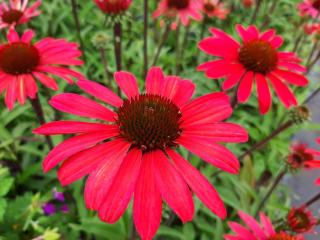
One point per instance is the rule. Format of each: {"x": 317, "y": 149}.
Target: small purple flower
{"x": 58, "y": 196}
{"x": 49, "y": 209}
{"x": 64, "y": 208}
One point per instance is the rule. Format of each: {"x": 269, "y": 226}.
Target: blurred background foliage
{"x": 23, "y": 186}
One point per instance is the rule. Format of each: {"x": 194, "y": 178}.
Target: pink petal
{"x": 292, "y": 66}
{"x": 75, "y": 144}
{"x": 170, "y": 86}
{"x": 241, "y": 231}
{"x": 219, "y": 48}
{"x": 217, "y": 132}
{"x": 276, "y": 42}
{"x": 27, "y": 36}
{"x": 81, "y": 106}
{"x": 11, "y": 94}
{"x": 245, "y": 87}
{"x": 233, "y": 79}
{"x": 47, "y": 81}
{"x": 266, "y": 36}
{"x": 206, "y": 109}
{"x": 212, "y": 153}
{"x": 21, "y": 89}
{"x": 184, "y": 92}
{"x": 147, "y": 206}
{"x": 284, "y": 93}
{"x": 121, "y": 190}
{"x": 154, "y": 81}
{"x": 71, "y": 127}
{"x": 13, "y": 36}
{"x": 31, "y": 86}
{"x": 253, "y": 225}
{"x": 172, "y": 187}
{"x": 89, "y": 160}
{"x": 264, "y": 95}
{"x": 292, "y": 78}
{"x": 225, "y": 37}
{"x": 199, "y": 184}
{"x": 267, "y": 224}
{"x": 128, "y": 83}
{"x": 220, "y": 68}
{"x": 100, "y": 92}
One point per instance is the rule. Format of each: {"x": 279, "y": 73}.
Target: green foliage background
{"x": 24, "y": 188}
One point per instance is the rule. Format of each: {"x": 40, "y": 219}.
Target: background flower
{"x": 17, "y": 12}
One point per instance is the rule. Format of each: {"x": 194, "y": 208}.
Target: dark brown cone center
{"x": 149, "y": 122}
{"x": 178, "y": 4}
{"x": 258, "y": 56}
{"x": 12, "y": 16}
{"x": 19, "y": 58}
{"x": 316, "y": 4}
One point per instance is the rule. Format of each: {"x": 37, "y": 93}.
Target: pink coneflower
{"x": 133, "y": 149}
{"x": 301, "y": 220}
{"x": 309, "y": 7}
{"x": 113, "y": 6}
{"x": 303, "y": 157}
{"x": 22, "y": 62}
{"x": 248, "y": 3}
{"x": 257, "y": 59}
{"x": 17, "y": 12}
{"x": 182, "y": 10}
{"x": 214, "y": 8}
{"x": 257, "y": 231}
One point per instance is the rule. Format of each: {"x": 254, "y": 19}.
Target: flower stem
{"x": 163, "y": 40}
{"x": 78, "y": 28}
{"x": 315, "y": 93}
{"x": 184, "y": 44}
{"x": 270, "y": 191}
{"x": 145, "y": 37}
{"x": 275, "y": 133}
{"x": 133, "y": 232}
{"x": 105, "y": 65}
{"x": 117, "y": 40}
{"x": 268, "y": 14}
{"x": 36, "y": 105}
{"x": 314, "y": 47}
{"x": 178, "y": 48}
{"x": 256, "y": 11}
{"x": 312, "y": 200}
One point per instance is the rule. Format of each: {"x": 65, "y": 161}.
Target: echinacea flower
{"x": 256, "y": 59}
{"x": 214, "y": 8}
{"x": 309, "y": 7}
{"x": 303, "y": 157}
{"x": 248, "y": 3}
{"x": 22, "y": 62}
{"x": 133, "y": 149}
{"x": 17, "y": 12}
{"x": 113, "y": 7}
{"x": 257, "y": 231}
{"x": 301, "y": 220}
{"x": 181, "y": 10}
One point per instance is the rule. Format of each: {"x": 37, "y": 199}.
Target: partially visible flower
{"x": 131, "y": 151}
{"x": 56, "y": 204}
{"x": 257, "y": 231}
{"x": 22, "y": 62}
{"x": 303, "y": 157}
{"x": 214, "y": 8}
{"x": 179, "y": 10}
{"x": 301, "y": 220}
{"x": 256, "y": 59}
{"x": 17, "y": 12}
{"x": 49, "y": 208}
{"x": 316, "y": 164}
{"x": 248, "y": 3}
{"x": 309, "y": 7}
{"x": 113, "y": 7}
